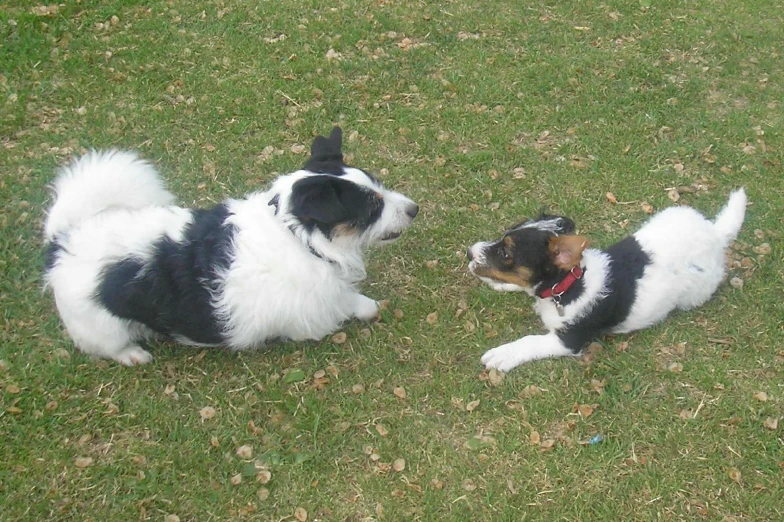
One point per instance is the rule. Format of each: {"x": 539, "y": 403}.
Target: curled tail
{"x": 100, "y": 180}
{"x": 730, "y": 219}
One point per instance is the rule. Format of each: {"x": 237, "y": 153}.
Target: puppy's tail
{"x": 100, "y": 180}
{"x": 730, "y": 219}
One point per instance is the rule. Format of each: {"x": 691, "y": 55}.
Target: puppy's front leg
{"x": 529, "y": 348}
{"x": 365, "y": 309}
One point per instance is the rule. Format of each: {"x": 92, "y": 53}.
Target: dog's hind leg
{"x": 132, "y": 355}
{"x": 97, "y": 332}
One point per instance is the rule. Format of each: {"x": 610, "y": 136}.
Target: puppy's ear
{"x": 320, "y": 199}
{"x": 328, "y": 149}
{"x": 567, "y": 251}
{"x": 565, "y": 224}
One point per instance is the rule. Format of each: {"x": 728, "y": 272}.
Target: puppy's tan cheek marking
{"x": 344, "y": 230}
{"x": 379, "y": 196}
{"x": 519, "y": 276}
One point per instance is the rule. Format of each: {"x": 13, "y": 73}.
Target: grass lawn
{"x": 483, "y": 112}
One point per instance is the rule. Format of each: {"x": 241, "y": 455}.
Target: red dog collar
{"x": 558, "y": 289}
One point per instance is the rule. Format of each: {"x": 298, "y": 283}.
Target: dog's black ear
{"x": 328, "y": 149}
{"x": 320, "y": 199}
{"x": 565, "y": 224}
{"x": 326, "y": 156}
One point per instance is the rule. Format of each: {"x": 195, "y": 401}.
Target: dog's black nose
{"x": 469, "y": 255}
{"x": 412, "y": 210}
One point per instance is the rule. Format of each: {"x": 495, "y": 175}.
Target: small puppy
{"x": 676, "y": 260}
{"x": 127, "y": 266}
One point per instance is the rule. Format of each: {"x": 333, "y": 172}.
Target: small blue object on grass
{"x": 596, "y": 439}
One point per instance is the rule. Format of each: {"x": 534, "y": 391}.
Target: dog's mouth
{"x": 480, "y": 270}
{"x": 514, "y": 281}
{"x": 391, "y": 236}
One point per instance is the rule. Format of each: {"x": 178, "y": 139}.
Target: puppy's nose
{"x": 469, "y": 254}
{"x": 412, "y": 210}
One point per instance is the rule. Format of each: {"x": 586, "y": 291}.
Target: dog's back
{"x": 687, "y": 260}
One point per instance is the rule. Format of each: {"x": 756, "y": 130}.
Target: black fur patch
{"x": 565, "y": 224}
{"x": 170, "y": 294}
{"x": 628, "y": 262}
{"x": 326, "y": 155}
{"x": 324, "y": 202}
{"x": 51, "y": 254}
{"x": 528, "y": 248}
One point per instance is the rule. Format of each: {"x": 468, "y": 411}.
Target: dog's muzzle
{"x": 476, "y": 256}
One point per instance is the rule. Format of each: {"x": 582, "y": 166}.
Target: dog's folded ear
{"x": 561, "y": 224}
{"x": 567, "y": 251}
{"x": 321, "y": 199}
{"x": 565, "y": 224}
{"x": 327, "y": 149}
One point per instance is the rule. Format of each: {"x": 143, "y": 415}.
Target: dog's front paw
{"x": 529, "y": 348}
{"x": 365, "y": 309}
{"x": 504, "y": 358}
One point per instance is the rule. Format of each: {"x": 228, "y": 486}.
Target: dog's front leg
{"x": 529, "y": 348}
{"x": 365, "y": 309}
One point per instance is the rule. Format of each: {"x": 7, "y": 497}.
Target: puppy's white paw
{"x": 365, "y": 308}
{"x": 529, "y": 348}
{"x": 132, "y": 355}
{"x": 504, "y": 358}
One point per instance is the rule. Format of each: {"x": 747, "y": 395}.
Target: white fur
{"x": 687, "y": 253}
{"x": 554, "y": 224}
{"x": 478, "y": 258}
{"x": 95, "y": 196}
{"x": 112, "y": 205}
{"x": 530, "y": 348}
{"x": 101, "y": 180}
{"x": 298, "y": 296}
{"x": 688, "y": 260}
{"x": 595, "y": 281}
{"x": 345, "y": 251}
{"x": 89, "y": 248}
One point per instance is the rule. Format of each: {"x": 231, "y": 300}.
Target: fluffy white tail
{"x": 730, "y": 219}
{"x": 100, "y": 180}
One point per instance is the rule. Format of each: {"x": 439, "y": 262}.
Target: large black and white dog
{"x": 126, "y": 265}
{"x": 676, "y": 260}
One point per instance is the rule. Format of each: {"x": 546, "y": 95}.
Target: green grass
{"x": 628, "y": 97}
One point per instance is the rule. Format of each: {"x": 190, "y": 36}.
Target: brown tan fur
{"x": 567, "y": 251}
{"x": 519, "y": 276}
{"x": 344, "y": 230}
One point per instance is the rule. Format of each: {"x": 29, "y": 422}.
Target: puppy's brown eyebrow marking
{"x": 509, "y": 242}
